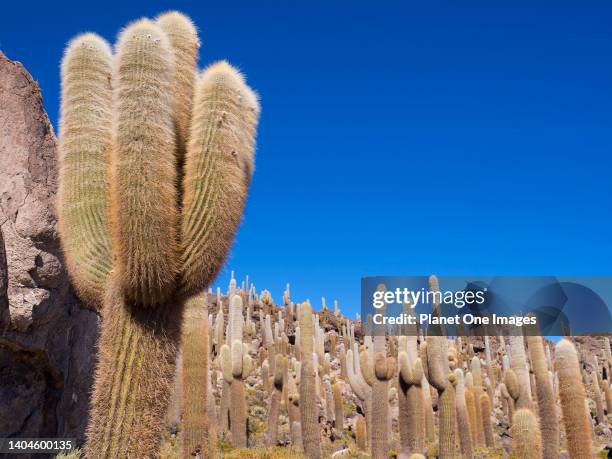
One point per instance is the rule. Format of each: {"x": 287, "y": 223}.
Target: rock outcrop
{"x": 47, "y": 336}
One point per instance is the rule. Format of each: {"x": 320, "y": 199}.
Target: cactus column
{"x": 119, "y": 212}
{"x": 435, "y": 353}
{"x": 308, "y": 399}
{"x": 546, "y": 399}
{"x": 572, "y": 395}
{"x": 410, "y": 393}
{"x": 236, "y": 365}
{"x": 194, "y": 345}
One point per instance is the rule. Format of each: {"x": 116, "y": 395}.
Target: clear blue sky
{"x": 397, "y": 138}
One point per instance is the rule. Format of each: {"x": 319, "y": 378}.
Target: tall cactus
{"x": 339, "y": 410}
{"x": 276, "y": 385}
{"x": 410, "y": 395}
{"x": 572, "y": 395}
{"x": 194, "y": 344}
{"x": 138, "y": 240}
{"x": 485, "y": 409}
{"x": 377, "y": 372}
{"x": 463, "y": 417}
{"x": 435, "y": 352}
{"x": 236, "y": 365}
{"x": 308, "y": 404}
{"x": 518, "y": 363}
{"x": 547, "y": 409}
{"x": 477, "y": 378}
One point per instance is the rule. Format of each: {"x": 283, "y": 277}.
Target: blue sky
{"x": 397, "y": 137}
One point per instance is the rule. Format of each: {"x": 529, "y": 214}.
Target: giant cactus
{"x": 138, "y": 240}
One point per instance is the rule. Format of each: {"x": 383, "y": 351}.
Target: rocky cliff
{"x": 47, "y": 336}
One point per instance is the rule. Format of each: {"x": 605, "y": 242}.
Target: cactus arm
{"x": 84, "y": 156}
{"x": 185, "y": 43}
{"x": 218, "y": 169}
{"x": 143, "y": 192}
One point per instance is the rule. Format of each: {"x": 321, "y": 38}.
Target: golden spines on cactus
{"x": 194, "y": 344}
{"x": 572, "y": 395}
{"x": 526, "y": 436}
{"x": 144, "y": 214}
{"x": 218, "y": 169}
{"x": 547, "y": 409}
{"x": 185, "y": 43}
{"x": 84, "y": 150}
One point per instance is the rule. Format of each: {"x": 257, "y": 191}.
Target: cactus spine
{"x": 526, "y": 436}
{"x": 308, "y": 407}
{"x": 547, "y": 409}
{"x": 572, "y": 395}
{"x": 119, "y": 207}
{"x": 194, "y": 345}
